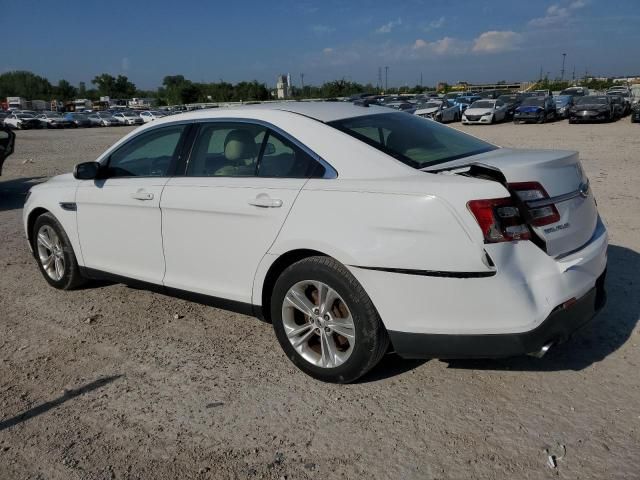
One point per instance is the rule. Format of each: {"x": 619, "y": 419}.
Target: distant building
{"x": 39, "y": 105}
{"x": 17, "y": 103}
{"x": 283, "y": 86}
{"x": 142, "y": 102}
{"x": 82, "y": 104}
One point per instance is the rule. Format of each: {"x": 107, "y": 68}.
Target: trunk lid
{"x": 561, "y": 176}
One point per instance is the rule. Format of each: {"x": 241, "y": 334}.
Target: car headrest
{"x": 239, "y": 145}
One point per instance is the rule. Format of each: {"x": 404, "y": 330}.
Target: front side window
{"x": 411, "y": 139}
{"x": 147, "y": 155}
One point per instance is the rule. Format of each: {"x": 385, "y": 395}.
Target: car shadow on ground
{"x": 46, "y": 406}
{"x": 604, "y": 335}
{"x": 13, "y": 192}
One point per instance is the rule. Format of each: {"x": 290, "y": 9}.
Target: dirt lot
{"x": 105, "y": 383}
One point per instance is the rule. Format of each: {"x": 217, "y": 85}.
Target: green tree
{"x": 64, "y": 91}
{"x": 25, "y": 84}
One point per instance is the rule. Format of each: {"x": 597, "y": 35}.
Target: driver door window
{"x": 149, "y": 155}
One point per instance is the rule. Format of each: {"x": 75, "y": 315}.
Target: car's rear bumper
{"x": 556, "y": 328}
{"x": 522, "y": 294}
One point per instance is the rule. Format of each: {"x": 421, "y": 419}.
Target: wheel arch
{"x": 274, "y": 271}
{"x": 31, "y": 220}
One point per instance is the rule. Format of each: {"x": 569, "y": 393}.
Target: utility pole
{"x": 540, "y": 77}
{"x": 420, "y": 79}
{"x": 564, "y": 56}
{"x": 379, "y": 79}
{"x": 302, "y": 81}
{"x": 386, "y": 79}
{"x": 573, "y": 76}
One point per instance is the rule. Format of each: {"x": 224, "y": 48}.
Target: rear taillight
{"x": 499, "y": 219}
{"x": 531, "y": 193}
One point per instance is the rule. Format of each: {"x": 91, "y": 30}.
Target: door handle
{"x": 142, "y": 195}
{"x": 265, "y": 201}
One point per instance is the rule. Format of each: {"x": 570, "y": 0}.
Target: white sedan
{"x": 151, "y": 115}
{"x": 354, "y": 230}
{"x": 485, "y": 111}
{"x": 128, "y": 118}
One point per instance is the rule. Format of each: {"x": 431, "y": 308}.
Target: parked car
{"x": 635, "y": 113}
{"x": 78, "y": 119}
{"x": 440, "y": 110}
{"x": 21, "y": 121}
{"x": 620, "y": 106}
{"x": 463, "y": 102}
{"x": 128, "y": 118}
{"x": 485, "y": 111}
{"x": 535, "y": 109}
{"x": 512, "y": 101}
{"x": 592, "y": 108}
{"x": 271, "y": 210}
{"x": 7, "y": 142}
{"x": 3, "y": 115}
{"x": 53, "y": 120}
{"x": 563, "y": 105}
{"x": 575, "y": 91}
{"x": 625, "y": 94}
{"x": 151, "y": 115}
{"x": 101, "y": 119}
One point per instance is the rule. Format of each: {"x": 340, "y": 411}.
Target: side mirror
{"x": 269, "y": 149}
{"x": 7, "y": 142}
{"x": 86, "y": 171}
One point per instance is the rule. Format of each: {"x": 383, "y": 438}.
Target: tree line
{"x": 175, "y": 89}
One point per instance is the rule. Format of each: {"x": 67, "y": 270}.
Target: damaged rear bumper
{"x": 557, "y": 328}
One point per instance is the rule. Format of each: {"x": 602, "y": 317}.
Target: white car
{"x": 103, "y": 119}
{"x": 128, "y": 118}
{"x": 440, "y": 110}
{"x": 485, "y": 111}
{"x": 53, "y": 120}
{"x": 151, "y": 115}
{"x": 354, "y": 230}
{"x": 22, "y": 121}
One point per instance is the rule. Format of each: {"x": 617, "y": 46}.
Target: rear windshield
{"x": 592, "y": 101}
{"x": 483, "y": 104}
{"x": 413, "y": 140}
{"x": 533, "y": 101}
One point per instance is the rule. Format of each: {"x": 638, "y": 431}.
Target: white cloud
{"x": 496, "y": 42}
{"x": 444, "y": 46}
{"x": 389, "y": 26}
{"x": 434, "y": 24}
{"x": 327, "y": 51}
{"x": 125, "y": 64}
{"x": 322, "y": 29}
{"x": 557, "y": 14}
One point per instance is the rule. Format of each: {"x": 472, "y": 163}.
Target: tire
{"x": 68, "y": 276}
{"x": 542, "y": 119}
{"x": 350, "y": 310}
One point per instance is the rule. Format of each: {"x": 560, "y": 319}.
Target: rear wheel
{"x": 54, "y": 253}
{"x": 325, "y": 322}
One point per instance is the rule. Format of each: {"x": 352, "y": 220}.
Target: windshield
{"x": 508, "y": 98}
{"x": 24, "y": 115}
{"x": 562, "y": 99}
{"x": 130, "y": 114}
{"x": 80, "y": 116}
{"x": 572, "y": 91}
{"x": 482, "y": 104}
{"x": 533, "y": 101}
{"x": 591, "y": 101}
{"x": 411, "y": 139}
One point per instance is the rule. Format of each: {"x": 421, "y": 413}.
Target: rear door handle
{"x": 142, "y": 195}
{"x": 265, "y": 201}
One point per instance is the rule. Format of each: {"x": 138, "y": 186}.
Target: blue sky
{"x": 444, "y": 40}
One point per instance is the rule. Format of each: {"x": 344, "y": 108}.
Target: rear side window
{"x": 244, "y": 150}
{"x": 147, "y": 155}
{"x": 413, "y": 140}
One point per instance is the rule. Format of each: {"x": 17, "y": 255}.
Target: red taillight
{"x": 499, "y": 220}
{"x": 533, "y": 192}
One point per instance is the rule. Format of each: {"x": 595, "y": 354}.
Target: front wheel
{"x": 325, "y": 322}
{"x": 54, "y": 254}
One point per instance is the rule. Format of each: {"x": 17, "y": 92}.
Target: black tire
{"x": 72, "y": 278}
{"x": 372, "y": 339}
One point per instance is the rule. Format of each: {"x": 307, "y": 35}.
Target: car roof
{"x": 322, "y": 111}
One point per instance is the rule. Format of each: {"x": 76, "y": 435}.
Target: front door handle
{"x": 142, "y": 195}
{"x": 265, "y": 201}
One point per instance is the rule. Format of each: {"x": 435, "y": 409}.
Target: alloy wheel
{"x": 50, "y": 252}
{"x": 318, "y": 323}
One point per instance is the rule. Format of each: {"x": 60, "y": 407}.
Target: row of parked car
{"x": 576, "y": 104}
{"x": 26, "y": 119}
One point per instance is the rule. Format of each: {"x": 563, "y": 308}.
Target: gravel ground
{"x": 112, "y": 382}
